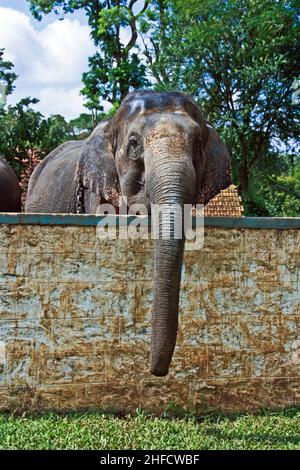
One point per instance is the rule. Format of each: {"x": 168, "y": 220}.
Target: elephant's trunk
{"x": 172, "y": 184}
{"x": 167, "y": 273}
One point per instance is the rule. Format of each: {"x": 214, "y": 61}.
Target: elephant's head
{"x": 158, "y": 142}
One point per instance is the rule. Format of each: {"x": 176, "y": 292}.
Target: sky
{"x": 49, "y": 57}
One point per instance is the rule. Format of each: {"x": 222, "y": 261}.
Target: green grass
{"x": 269, "y": 430}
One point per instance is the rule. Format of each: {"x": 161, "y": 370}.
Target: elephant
{"x": 157, "y": 149}
{"x": 75, "y": 173}
{"x": 10, "y": 193}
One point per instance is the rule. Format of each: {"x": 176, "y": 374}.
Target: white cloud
{"x": 59, "y": 100}
{"x": 49, "y": 62}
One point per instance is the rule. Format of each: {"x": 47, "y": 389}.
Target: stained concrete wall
{"x": 75, "y": 318}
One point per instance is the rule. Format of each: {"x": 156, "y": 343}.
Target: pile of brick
{"x": 33, "y": 159}
{"x": 227, "y": 203}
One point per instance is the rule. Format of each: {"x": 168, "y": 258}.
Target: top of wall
{"x": 93, "y": 220}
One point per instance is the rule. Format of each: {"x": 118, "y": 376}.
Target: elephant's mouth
{"x": 142, "y": 202}
{"x": 141, "y": 183}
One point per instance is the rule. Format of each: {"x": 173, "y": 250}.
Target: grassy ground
{"x": 270, "y": 430}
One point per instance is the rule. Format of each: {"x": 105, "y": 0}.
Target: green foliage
{"x": 156, "y": 30}
{"x": 23, "y": 129}
{"x": 282, "y": 192}
{"x": 268, "y": 430}
{"x": 54, "y": 131}
{"x": 275, "y": 189}
{"x": 83, "y": 124}
{"x": 20, "y": 128}
{"x": 7, "y": 78}
{"x": 239, "y": 59}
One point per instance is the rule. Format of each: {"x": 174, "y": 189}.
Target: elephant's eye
{"x": 133, "y": 142}
{"x": 134, "y": 147}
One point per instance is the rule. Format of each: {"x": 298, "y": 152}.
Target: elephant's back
{"x": 52, "y": 185}
{"x": 10, "y": 193}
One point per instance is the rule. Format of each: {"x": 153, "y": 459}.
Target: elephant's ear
{"x": 217, "y": 169}
{"x": 96, "y": 170}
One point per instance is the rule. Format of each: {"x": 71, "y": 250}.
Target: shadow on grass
{"x": 172, "y": 411}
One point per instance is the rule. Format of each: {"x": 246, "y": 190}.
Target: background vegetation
{"x": 239, "y": 59}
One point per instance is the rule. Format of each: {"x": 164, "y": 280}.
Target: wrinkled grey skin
{"x": 54, "y": 183}
{"x": 10, "y": 193}
{"x": 158, "y": 149}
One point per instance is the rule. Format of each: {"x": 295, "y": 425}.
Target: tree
{"x": 239, "y": 59}
{"x": 19, "y": 131}
{"x": 156, "y": 30}
{"x": 7, "y": 78}
{"x": 116, "y": 67}
{"x": 54, "y": 131}
{"x": 24, "y": 130}
{"x": 26, "y": 136}
{"x": 83, "y": 125}
{"x": 279, "y": 192}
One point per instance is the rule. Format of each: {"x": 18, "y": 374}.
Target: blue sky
{"x": 49, "y": 56}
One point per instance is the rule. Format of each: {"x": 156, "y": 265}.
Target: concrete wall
{"x": 75, "y": 314}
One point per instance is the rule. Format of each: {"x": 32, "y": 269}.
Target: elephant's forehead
{"x": 141, "y": 113}
{"x": 136, "y": 106}
{"x": 167, "y": 120}
{"x": 143, "y": 107}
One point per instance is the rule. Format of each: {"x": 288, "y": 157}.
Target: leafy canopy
{"x": 239, "y": 59}
{"x": 7, "y": 78}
